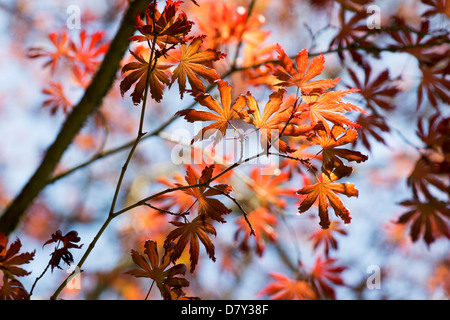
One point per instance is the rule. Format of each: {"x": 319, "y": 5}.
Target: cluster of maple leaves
{"x": 314, "y": 116}
{"x": 82, "y": 58}
{"x": 11, "y": 260}
{"x": 315, "y": 112}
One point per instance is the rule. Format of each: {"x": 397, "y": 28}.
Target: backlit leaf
{"x": 325, "y": 193}
{"x": 194, "y": 64}
{"x": 153, "y": 268}
{"x": 191, "y": 232}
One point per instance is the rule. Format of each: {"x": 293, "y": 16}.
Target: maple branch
{"x": 252, "y": 231}
{"x": 231, "y": 71}
{"x": 91, "y": 100}
{"x": 38, "y": 278}
{"x": 301, "y": 160}
{"x": 180, "y": 214}
{"x": 140, "y": 134}
{"x": 354, "y": 46}
{"x": 203, "y": 184}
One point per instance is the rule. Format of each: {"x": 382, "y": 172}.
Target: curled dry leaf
{"x": 68, "y": 242}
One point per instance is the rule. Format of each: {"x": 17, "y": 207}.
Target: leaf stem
{"x": 38, "y": 278}
{"x": 149, "y": 290}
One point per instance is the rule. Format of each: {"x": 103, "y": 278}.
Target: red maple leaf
{"x": 371, "y": 126}
{"x": 325, "y": 275}
{"x": 351, "y": 33}
{"x": 58, "y": 99}
{"x": 429, "y": 217}
{"x": 377, "y": 93}
{"x": 62, "y": 44}
{"x": 88, "y": 55}
{"x": 263, "y": 223}
{"x": 191, "y": 232}
{"x": 327, "y": 237}
{"x": 13, "y": 289}
{"x": 68, "y": 242}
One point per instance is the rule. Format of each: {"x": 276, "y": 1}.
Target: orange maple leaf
{"x": 207, "y": 206}
{"x": 193, "y": 64}
{"x": 284, "y": 288}
{"x": 139, "y": 71}
{"x": 328, "y": 106}
{"x": 270, "y": 189}
{"x": 325, "y": 191}
{"x": 273, "y": 121}
{"x": 222, "y": 113}
{"x": 329, "y": 143}
{"x": 157, "y": 270}
{"x": 191, "y": 232}
{"x": 301, "y": 76}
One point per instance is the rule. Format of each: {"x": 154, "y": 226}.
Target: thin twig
{"x": 38, "y": 278}
{"x": 148, "y": 293}
{"x": 252, "y": 231}
{"x": 140, "y": 134}
{"x": 181, "y": 214}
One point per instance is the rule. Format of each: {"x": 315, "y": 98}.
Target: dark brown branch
{"x": 91, "y": 100}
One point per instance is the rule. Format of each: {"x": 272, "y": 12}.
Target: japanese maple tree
{"x": 280, "y": 129}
